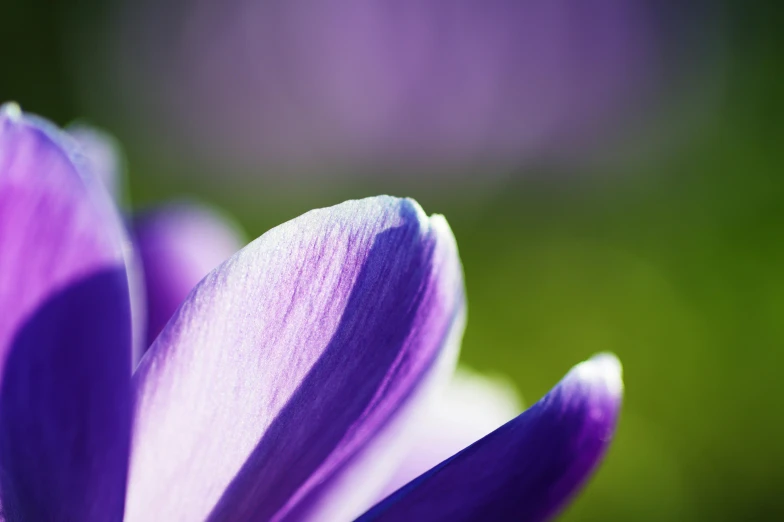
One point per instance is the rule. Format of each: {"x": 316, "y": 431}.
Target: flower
{"x": 286, "y": 386}
{"x": 471, "y": 406}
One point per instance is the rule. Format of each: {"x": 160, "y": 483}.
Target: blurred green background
{"x": 673, "y": 259}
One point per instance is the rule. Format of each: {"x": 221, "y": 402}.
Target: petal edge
{"x": 527, "y": 469}
{"x": 296, "y": 350}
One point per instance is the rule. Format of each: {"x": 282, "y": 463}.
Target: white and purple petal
{"x": 529, "y": 468}
{"x": 179, "y": 244}
{"x": 65, "y": 332}
{"x": 271, "y": 381}
{"x": 471, "y": 406}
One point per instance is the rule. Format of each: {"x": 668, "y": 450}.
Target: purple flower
{"x": 286, "y": 386}
{"x": 344, "y": 83}
{"x": 470, "y": 407}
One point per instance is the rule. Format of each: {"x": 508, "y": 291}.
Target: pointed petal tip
{"x": 435, "y": 224}
{"x": 397, "y": 203}
{"x": 529, "y": 468}
{"x": 11, "y": 111}
{"x": 14, "y": 119}
{"x": 439, "y": 223}
{"x": 603, "y": 369}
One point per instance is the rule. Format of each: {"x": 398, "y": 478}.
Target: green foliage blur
{"x": 675, "y": 263}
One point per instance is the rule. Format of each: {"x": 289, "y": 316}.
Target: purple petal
{"x": 285, "y": 362}
{"x": 179, "y": 245}
{"x": 102, "y": 158}
{"x": 64, "y": 332}
{"x": 363, "y": 479}
{"x": 472, "y": 406}
{"x": 527, "y": 469}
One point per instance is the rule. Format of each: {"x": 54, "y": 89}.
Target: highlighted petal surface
{"x": 289, "y": 359}
{"x": 179, "y": 245}
{"x": 64, "y": 332}
{"x": 527, "y": 469}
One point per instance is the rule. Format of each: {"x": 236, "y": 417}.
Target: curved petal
{"x": 179, "y": 245}
{"x": 64, "y": 332}
{"x": 103, "y": 159}
{"x": 527, "y": 469}
{"x": 288, "y": 359}
{"x": 471, "y": 406}
{"x": 364, "y": 477}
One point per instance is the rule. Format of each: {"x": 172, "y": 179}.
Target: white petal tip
{"x": 11, "y": 111}
{"x": 601, "y": 369}
{"x": 440, "y": 225}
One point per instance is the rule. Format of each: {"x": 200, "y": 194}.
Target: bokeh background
{"x": 613, "y": 173}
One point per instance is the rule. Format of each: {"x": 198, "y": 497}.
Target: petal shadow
{"x": 65, "y": 408}
{"x": 349, "y": 384}
{"x": 526, "y": 470}
{"x": 270, "y": 382}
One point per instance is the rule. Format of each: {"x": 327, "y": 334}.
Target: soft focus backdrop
{"x": 613, "y": 173}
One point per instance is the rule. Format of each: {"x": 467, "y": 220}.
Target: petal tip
{"x": 603, "y": 369}
{"x": 410, "y": 207}
{"x": 11, "y": 111}
{"x": 439, "y": 222}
